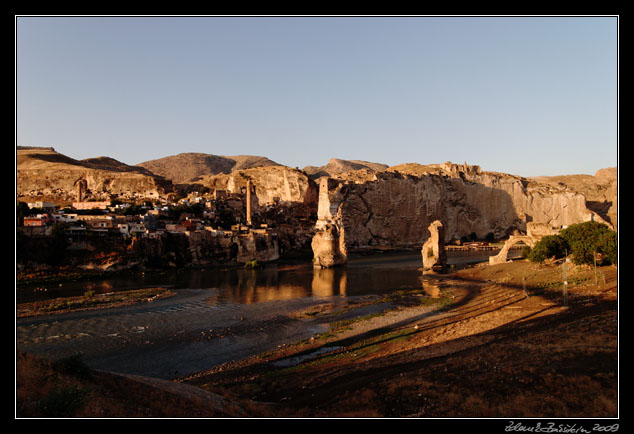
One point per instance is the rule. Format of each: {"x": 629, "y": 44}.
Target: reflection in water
{"x": 364, "y": 275}
{"x": 430, "y": 286}
{"x": 257, "y": 286}
{"x": 431, "y": 289}
{"x": 98, "y": 287}
{"x": 329, "y": 281}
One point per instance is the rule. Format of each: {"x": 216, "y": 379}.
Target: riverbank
{"x": 90, "y": 301}
{"x": 505, "y": 347}
{"x": 491, "y": 341}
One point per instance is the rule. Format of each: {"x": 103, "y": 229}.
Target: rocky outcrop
{"x": 433, "y": 251}
{"x": 600, "y": 190}
{"x": 394, "y": 209}
{"x": 217, "y": 246}
{"x": 43, "y": 173}
{"x": 272, "y": 185}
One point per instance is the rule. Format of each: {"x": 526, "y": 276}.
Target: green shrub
{"x": 607, "y": 244}
{"x": 526, "y": 250}
{"x": 550, "y": 246}
{"x": 584, "y": 239}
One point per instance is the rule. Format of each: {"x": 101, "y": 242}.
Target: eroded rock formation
{"x": 272, "y": 185}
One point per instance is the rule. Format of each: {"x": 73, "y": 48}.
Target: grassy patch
{"x": 91, "y": 301}
{"x": 339, "y": 326}
{"x": 554, "y": 285}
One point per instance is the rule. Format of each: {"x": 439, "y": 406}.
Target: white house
{"x": 131, "y": 228}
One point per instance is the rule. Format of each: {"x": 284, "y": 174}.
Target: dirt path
{"x": 506, "y": 345}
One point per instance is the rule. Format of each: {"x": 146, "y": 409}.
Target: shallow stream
{"x": 216, "y": 316}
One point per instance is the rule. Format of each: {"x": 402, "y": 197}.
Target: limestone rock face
{"x": 210, "y": 246}
{"x": 433, "y": 251}
{"x": 600, "y": 190}
{"x": 394, "y": 209}
{"x": 273, "y": 184}
{"x": 262, "y": 248}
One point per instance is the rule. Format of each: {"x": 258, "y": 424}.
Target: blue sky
{"x": 523, "y": 95}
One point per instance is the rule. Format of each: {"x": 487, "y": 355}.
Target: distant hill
{"x": 107, "y": 163}
{"x": 188, "y": 167}
{"x": 29, "y": 158}
{"x": 336, "y": 167}
{"x": 44, "y": 174}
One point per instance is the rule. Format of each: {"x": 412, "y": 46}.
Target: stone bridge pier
{"x": 534, "y": 233}
{"x": 501, "y": 257}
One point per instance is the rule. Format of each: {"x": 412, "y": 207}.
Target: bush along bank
{"x": 585, "y": 243}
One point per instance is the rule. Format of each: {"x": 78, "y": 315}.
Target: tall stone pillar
{"x": 329, "y": 244}
{"x": 248, "y": 202}
{"x": 81, "y": 185}
{"x": 433, "y": 251}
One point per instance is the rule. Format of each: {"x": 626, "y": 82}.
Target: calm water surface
{"x": 215, "y": 317}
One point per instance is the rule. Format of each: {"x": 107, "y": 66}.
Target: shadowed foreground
{"x": 505, "y": 347}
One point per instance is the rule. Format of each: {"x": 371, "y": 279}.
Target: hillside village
{"x": 215, "y": 227}
{"x": 150, "y": 220}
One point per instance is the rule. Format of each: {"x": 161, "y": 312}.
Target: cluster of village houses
{"x": 108, "y": 219}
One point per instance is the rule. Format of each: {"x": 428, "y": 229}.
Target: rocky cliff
{"x": 600, "y": 190}
{"x": 396, "y": 207}
{"x": 44, "y": 174}
{"x": 273, "y": 185}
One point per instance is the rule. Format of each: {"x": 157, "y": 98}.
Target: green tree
{"x": 585, "y": 238}
{"x": 550, "y": 246}
{"x": 607, "y": 244}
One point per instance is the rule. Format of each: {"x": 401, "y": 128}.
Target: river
{"x": 216, "y": 315}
